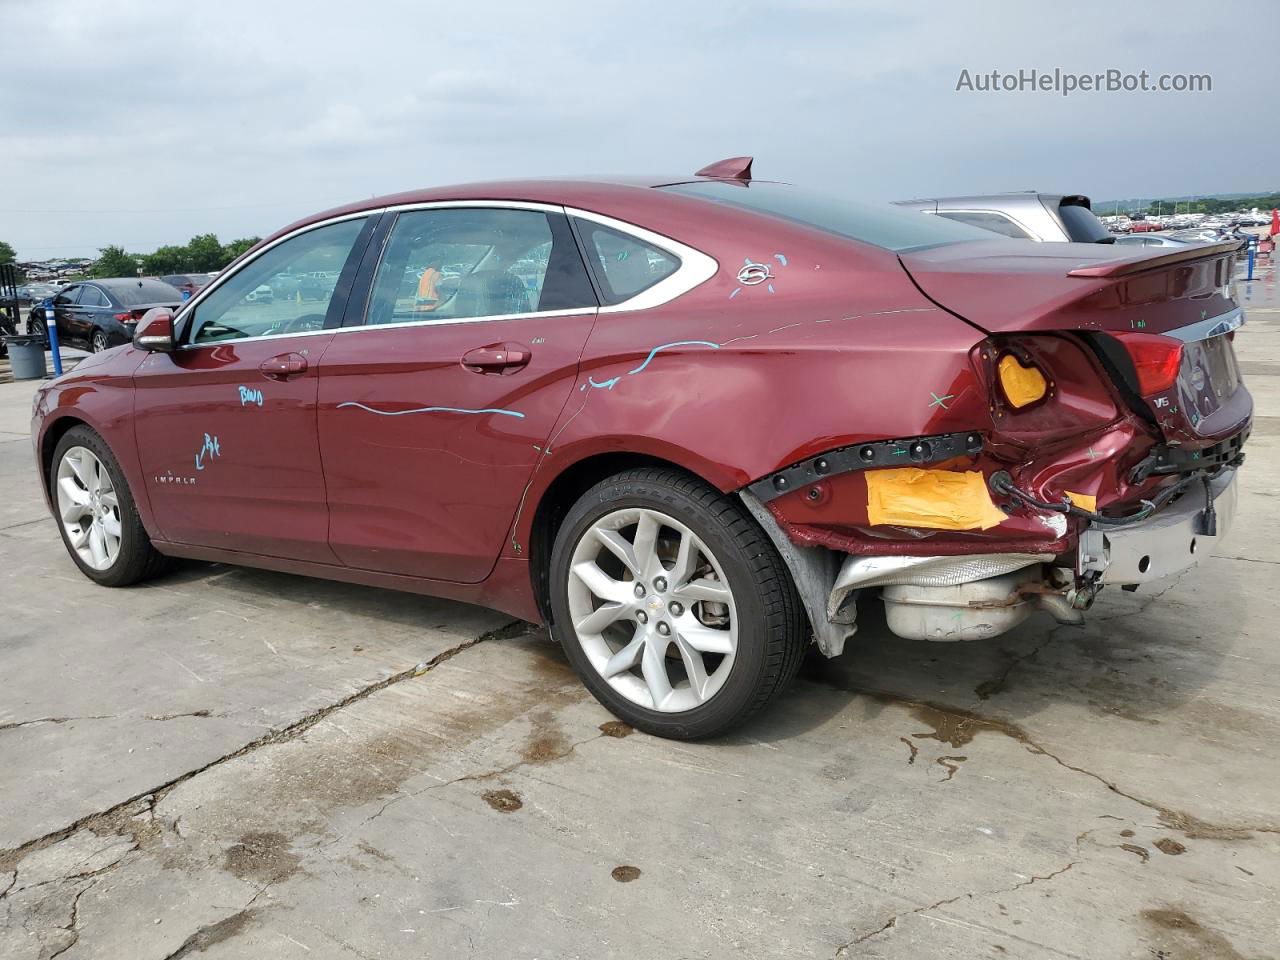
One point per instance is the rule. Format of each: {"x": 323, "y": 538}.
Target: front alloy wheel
{"x": 89, "y": 508}
{"x": 96, "y": 515}
{"x": 672, "y": 604}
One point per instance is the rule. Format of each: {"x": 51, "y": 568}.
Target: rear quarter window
{"x": 624, "y": 265}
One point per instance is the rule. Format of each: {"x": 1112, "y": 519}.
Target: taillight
{"x": 1156, "y": 360}
{"x": 124, "y": 317}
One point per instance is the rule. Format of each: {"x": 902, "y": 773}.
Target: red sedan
{"x": 685, "y": 423}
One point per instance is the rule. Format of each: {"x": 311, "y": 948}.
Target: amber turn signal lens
{"x": 1021, "y": 385}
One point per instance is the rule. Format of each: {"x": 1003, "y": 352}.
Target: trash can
{"x": 26, "y": 357}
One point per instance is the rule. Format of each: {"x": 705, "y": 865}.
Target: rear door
{"x": 435, "y": 406}
{"x": 226, "y": 424}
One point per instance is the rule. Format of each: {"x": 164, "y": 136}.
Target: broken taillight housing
{"x": 1022, "y": 382}
{"x": 1156, "y": 360}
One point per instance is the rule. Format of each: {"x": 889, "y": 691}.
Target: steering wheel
{"x": 308, "y": 321}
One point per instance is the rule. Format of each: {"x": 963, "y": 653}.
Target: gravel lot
{"x": 246, "y": 764}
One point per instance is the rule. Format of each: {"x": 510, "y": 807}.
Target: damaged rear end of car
{"x": 1093, "y": 441}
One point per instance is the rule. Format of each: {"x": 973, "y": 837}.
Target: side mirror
{"x": 155, "y": 331}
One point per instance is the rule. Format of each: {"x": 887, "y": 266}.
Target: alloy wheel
{"x": 89, "y": 508}
{"x": 652, "y": 610}
{"x": 99, "y": 343}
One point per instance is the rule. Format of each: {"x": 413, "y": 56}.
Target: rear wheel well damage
{"x": 563, "y": 492}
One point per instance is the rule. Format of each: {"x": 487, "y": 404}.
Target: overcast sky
{"x": 143, "y": 123}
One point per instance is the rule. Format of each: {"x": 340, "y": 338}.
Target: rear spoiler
{"x": 1142, "y": 262}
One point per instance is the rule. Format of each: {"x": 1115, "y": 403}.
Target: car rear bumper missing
{"x": 1162, "y": 545}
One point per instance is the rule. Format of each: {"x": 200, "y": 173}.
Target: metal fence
{"x": 8, "y": 298}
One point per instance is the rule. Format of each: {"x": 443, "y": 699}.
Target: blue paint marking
{"x": 250, "y": 396}
{"x": 781, "y": 258}
{"x": 736, "y": 291}
{"x": 606, "y": 385}
{"x": 210, "y": 447}
{"x": 667, "y": 346}
{"x": 770, "y": 288}
{"x": 401, "y": 413}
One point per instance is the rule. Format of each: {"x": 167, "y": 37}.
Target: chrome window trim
{"x": 1211, "y": 327}
{"x": 184, "y": 311}
{"x": 695, "y": 268}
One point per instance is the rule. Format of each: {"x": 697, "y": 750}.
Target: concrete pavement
{"x": 246, "y": 764}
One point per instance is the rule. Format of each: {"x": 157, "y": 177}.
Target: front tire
{"x": 673, "y": 605}
{"x": 35, "y": 327}
{"x": 96, "y": 514}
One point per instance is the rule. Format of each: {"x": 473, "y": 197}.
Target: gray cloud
{"x": 149, "y": 123}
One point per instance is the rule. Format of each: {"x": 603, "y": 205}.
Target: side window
{"x": 246, "y": 305}
{"x": 458, "y": 263}
{"x": 67, "y": 296}
{"x": 995, "y": 222}
{"x": 93, "y": 297}
{"x": 624, "y": 265}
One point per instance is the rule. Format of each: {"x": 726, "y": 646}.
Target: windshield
{"x": 883, "y": 226}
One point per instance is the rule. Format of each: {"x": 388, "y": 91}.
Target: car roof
{"x": 603, "y": 194}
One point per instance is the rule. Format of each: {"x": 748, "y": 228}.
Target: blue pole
{"x": 51, "y": 328}
{"x": 1251, "y": 254}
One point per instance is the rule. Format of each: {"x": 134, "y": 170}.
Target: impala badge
{"x": 753, "y": 273}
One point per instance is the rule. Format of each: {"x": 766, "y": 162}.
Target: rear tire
{"x": 96, "y": 513}
{"x": 98, "y": 342}
{"x": 673, "y": 605}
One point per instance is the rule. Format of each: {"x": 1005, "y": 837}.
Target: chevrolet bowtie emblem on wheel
{"x": 754, "y": 273}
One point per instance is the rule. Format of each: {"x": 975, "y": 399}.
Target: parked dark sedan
{"x": 99, "y": 314}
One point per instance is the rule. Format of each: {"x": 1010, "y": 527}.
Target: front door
{"x": 435, "y": 408}
{"x": 65, "y": 314}
{"x": 226, "y": 424}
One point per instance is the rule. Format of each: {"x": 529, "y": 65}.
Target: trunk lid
{"x": 1015, "y": 287}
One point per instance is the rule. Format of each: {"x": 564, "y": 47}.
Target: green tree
{"x": 236, "y": 247}
{"x": 167, "y": 260}
{"x": 114, "y": 262}
{"x": 7, "y": 255}
{"x": 205, "y": 253}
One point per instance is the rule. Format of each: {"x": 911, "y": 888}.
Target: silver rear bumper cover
{"x": 1163, "y": 545}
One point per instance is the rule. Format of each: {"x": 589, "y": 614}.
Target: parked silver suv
{"x": 1028, "y": 215}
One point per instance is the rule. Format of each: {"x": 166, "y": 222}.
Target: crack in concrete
{"x": 39, "y": 720}
{"x": 488, "y": 775}
{"x": 893, "y": 920}
{"x": 72, "y": 926}
{"x": 961, "y": 726}
{"x": 213, "y": 933}
{"x": 989, "y": 688}
{"x": 9, "y": 859}
{"x": 148, "y": 716}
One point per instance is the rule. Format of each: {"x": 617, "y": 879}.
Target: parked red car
{"x": 684, "y": 422}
